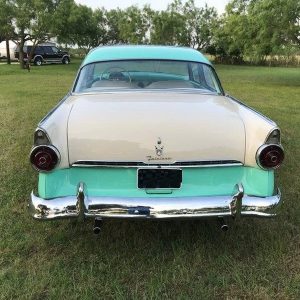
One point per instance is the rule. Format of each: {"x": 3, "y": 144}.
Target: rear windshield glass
{"x": 147, "y": 74}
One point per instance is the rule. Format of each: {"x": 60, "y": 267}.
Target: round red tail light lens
{"x": 270, "y": 156}
{"x": 44, "y": 158}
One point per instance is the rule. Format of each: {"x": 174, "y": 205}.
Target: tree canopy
{"x": 248, "y": 30}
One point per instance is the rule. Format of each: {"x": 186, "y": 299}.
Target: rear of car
{"x": 147, "y": 132}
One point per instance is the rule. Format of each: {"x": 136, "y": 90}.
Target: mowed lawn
{"x": 145, "y": 260}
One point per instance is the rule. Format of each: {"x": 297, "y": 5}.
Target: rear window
{"x": 147, "y": 74}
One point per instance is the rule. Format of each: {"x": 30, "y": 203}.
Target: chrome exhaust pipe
{"x": 224, "y": 227}
{"x": 97, "y": 226}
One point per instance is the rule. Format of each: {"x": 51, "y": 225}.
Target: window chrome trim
{"x": 124, "y": 90}
{"x": 176, "y": 164}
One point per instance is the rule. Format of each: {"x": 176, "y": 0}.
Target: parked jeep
{"x": 45, "y": 54}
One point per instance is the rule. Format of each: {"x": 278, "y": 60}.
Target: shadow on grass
{"x": 247, "y": 238}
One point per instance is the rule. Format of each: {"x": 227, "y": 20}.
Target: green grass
{"x": 145, "y": 260}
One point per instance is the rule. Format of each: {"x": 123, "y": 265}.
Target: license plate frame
{"x": 159, "y": 178}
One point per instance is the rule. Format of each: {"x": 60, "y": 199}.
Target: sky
{"x": 155, "y": 4}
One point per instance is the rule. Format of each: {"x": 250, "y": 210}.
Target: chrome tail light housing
{"x": 270, "y": 156}
{"x": 44, "y": 158}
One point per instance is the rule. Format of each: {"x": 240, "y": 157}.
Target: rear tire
{"x": 65, "y": 61}
{"x": 38, "y": 61}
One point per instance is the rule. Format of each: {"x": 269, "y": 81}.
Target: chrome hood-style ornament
{"x": 159, "y": 147}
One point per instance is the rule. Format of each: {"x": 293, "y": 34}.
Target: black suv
{"x": 45, "y": 54}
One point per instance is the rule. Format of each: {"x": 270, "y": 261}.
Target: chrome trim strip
{"x": 176, "y": 164}
{"x": 154, "y": 207}
{"x": 124, "y": 90}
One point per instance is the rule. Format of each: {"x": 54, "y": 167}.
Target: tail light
{"x": 270, "y": 156}
{"x": 44, "y": 158}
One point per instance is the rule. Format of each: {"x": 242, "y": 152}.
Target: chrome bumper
{"x": 82, "y": 206}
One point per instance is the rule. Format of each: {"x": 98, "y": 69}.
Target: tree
{"x": 83, "y": 27}
{"x": 275, "y": 27}
{"x": 6, "y": 27}
{"x": 62, "y": 25}
{"x": 168, "y": 28}
{"x": 232, "y": 35}
{"x": 133, "y": 25}
{"x": 41, "y": 26}
{"x": 29, "y": 20}
{"x": 200, "y": 23}
{"x": 113, "y": 26}
{"x": 256, "y": 29}
{"x": 184, "y": 24}
{"x": 22, "y": 13}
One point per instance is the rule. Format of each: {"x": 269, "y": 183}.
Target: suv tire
{"x": 65, "y": 61}
{"x": 38, "y": 61}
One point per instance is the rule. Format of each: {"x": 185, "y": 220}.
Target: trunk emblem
{"x": 159, "y": 152}
{"x": 159, "y": 147}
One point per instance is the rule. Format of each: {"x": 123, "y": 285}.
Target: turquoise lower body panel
{"x": 122, "y": 182}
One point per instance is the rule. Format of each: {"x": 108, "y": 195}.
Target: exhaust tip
{"x": 97, "y": 226}
{"x": 96, "y": 230}
{"x": 224, "y": 227}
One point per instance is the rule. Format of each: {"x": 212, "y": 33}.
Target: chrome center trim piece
{"x": 81, "y": 206}
{"x": 176, "y": 164}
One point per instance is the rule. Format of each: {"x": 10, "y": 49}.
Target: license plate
{"x": 159, "y": 178}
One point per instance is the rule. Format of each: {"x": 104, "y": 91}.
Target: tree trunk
{"x": 7, "y": 52}
{"x": 21, "y": 53}
{"x": 31, "y": 52}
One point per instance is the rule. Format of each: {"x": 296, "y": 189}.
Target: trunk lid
{"x": 154, "y": 127}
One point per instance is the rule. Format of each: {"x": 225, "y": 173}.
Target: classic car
{"x": 147, "y": 132}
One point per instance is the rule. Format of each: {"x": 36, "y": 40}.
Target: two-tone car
{"x": 147, "y": 132}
